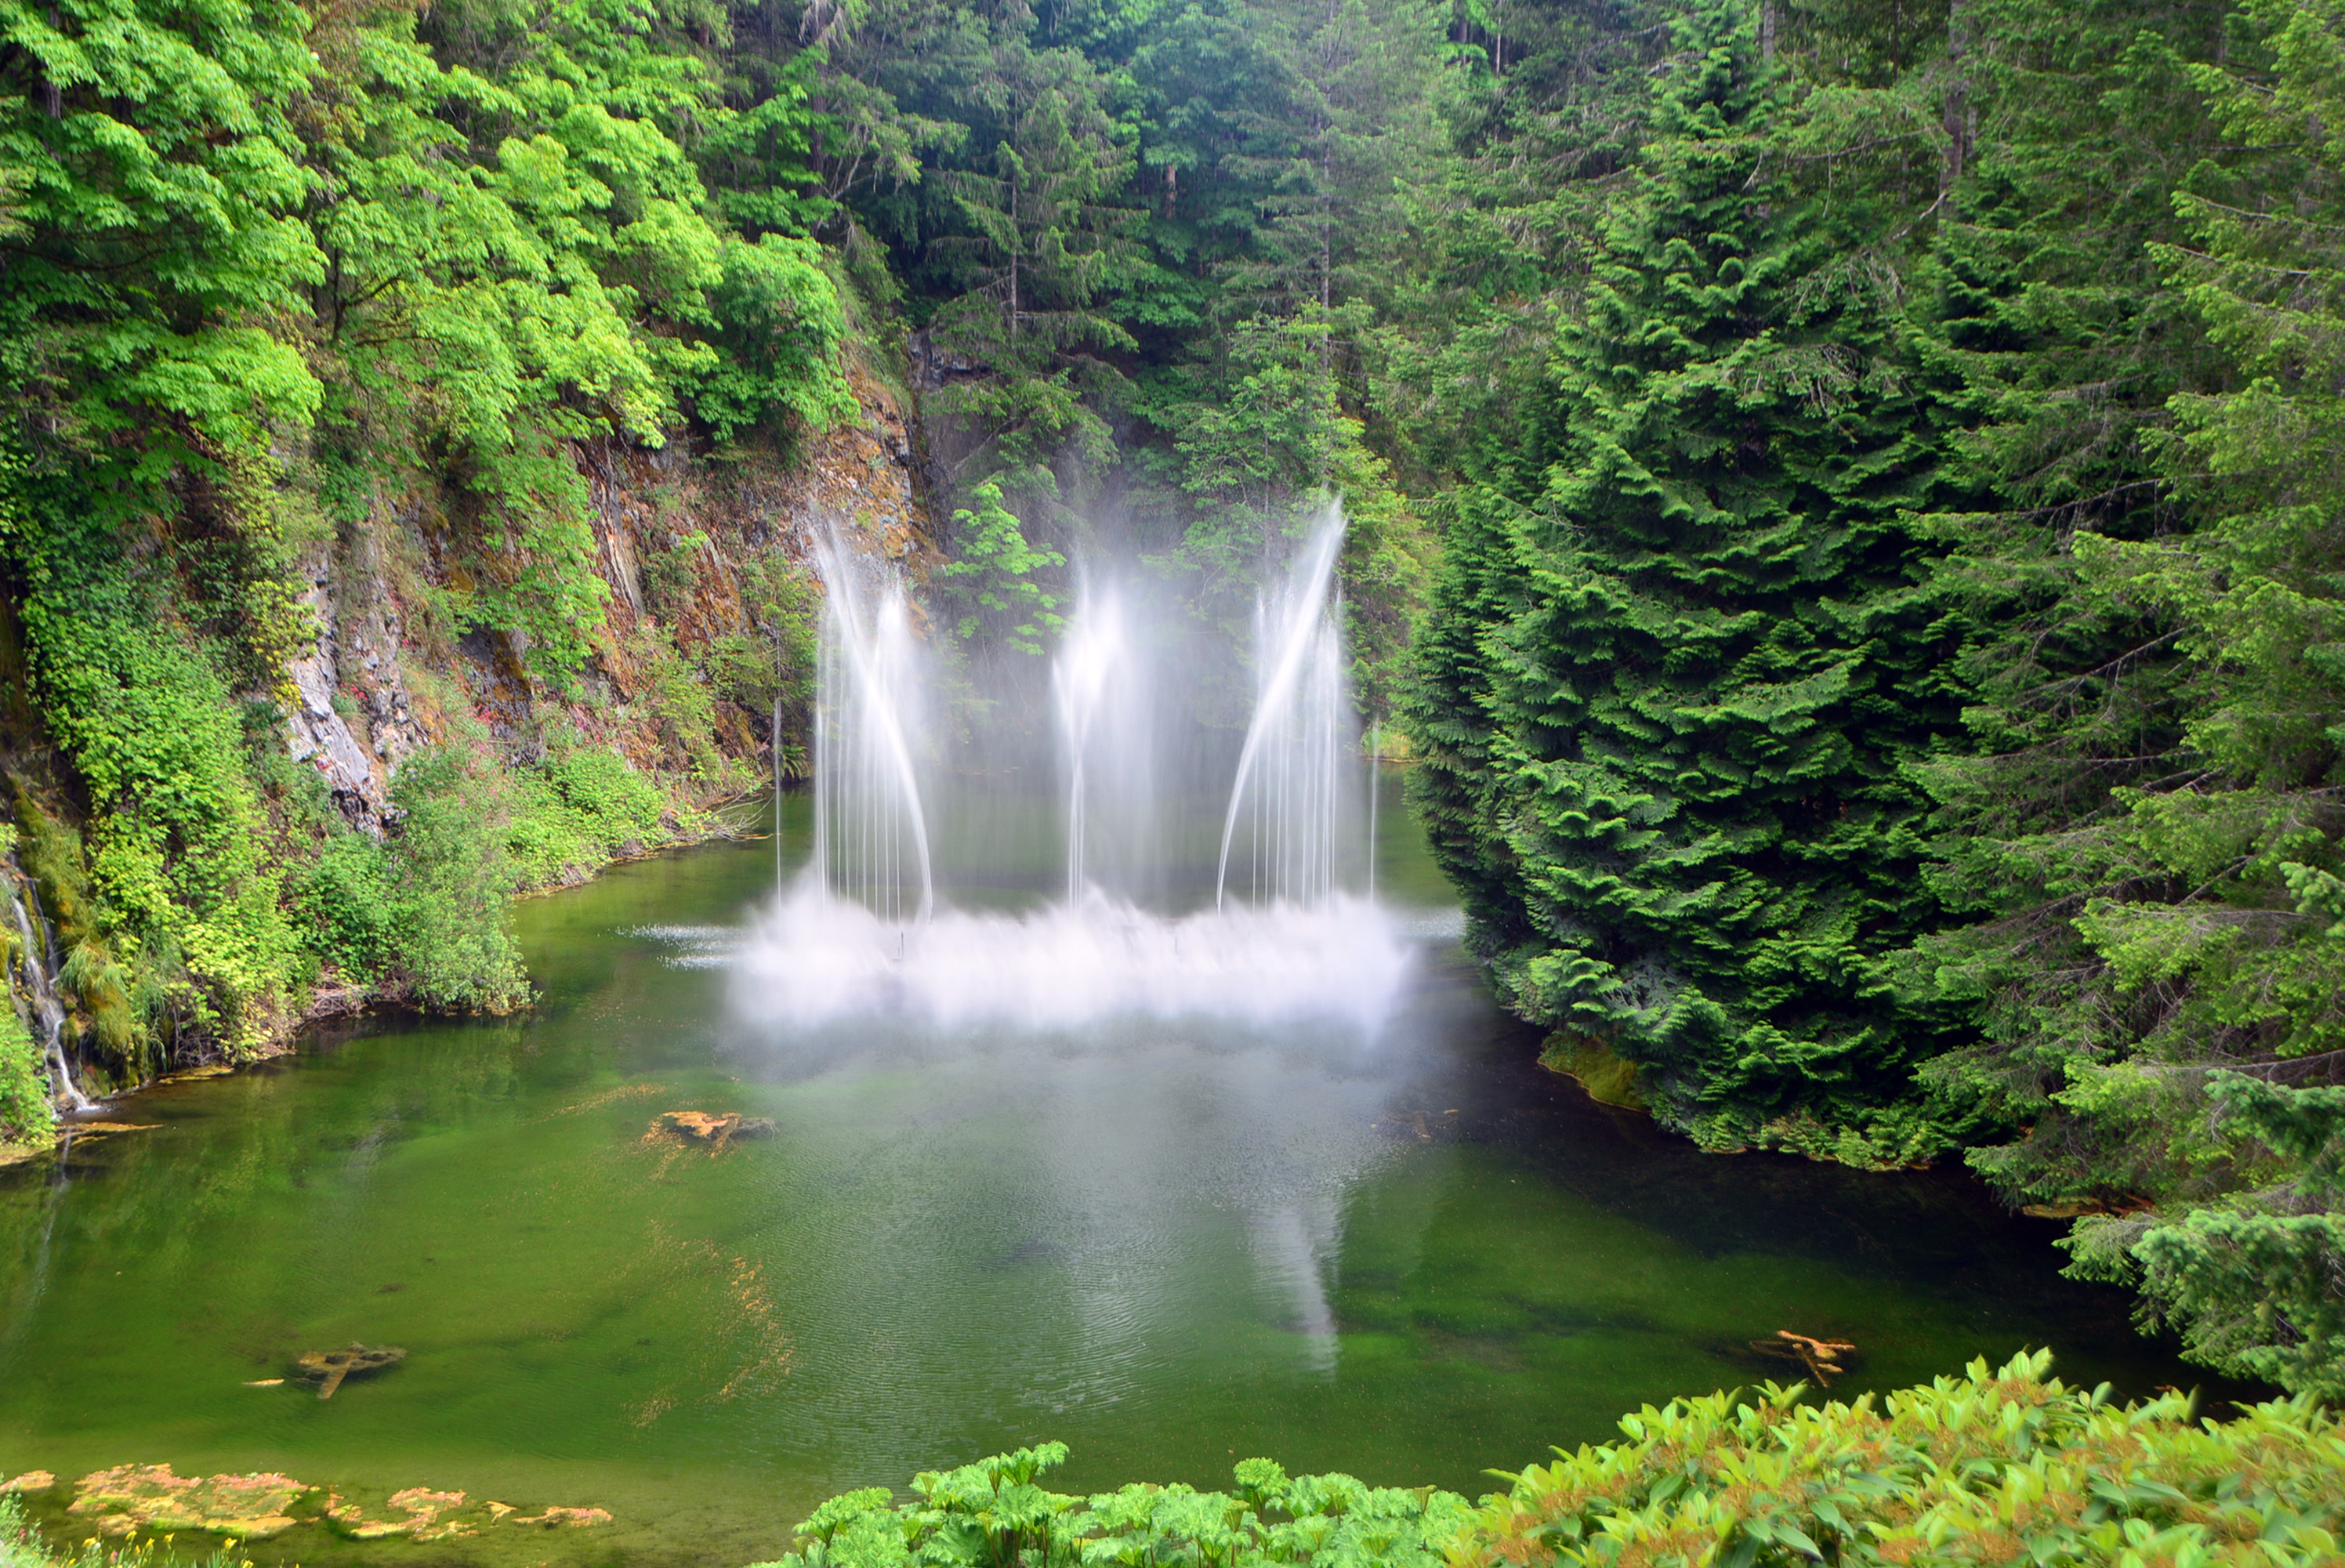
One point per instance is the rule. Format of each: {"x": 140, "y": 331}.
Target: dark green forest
{"x": 1847, "y": 498}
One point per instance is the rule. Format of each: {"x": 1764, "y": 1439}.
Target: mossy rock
{"x": 1607, "y": 1080}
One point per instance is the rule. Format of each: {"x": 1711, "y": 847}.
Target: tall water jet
{"x": 1105, "y": 723}
{"x": 871, "y": 832}
{"x": 1079, "y": 682}
{"x": 1291, "y": 771}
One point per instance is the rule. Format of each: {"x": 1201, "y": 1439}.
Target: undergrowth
{"x": 22, "y": 1546}
{"x": 1990, "y": 1467}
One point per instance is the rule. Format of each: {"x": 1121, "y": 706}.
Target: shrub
{"x": 1990, "y": 1467}
{"x": 452, "y": 878}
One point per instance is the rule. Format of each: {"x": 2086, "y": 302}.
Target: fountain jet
{"x": 871, "y": 835}
{"x": 1292, "y": 769}
{"x": 864, "y": 936}
{"x": 1105, "y": 749}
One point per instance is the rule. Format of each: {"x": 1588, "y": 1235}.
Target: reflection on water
{"x": 1171, "y": 1238}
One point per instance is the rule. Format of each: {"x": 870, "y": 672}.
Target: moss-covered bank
{"x": 225, "y": 858}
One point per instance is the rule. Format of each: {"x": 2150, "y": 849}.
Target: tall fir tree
{"x": 1667, "y": 699}
{"x": 1046, "y": 239}
{"x": 2185, "y": 1052}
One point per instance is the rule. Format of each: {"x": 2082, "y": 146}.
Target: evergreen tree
{"x": 1666, "y": 700}
{"x": 2184, "y": 1061}
{"x": 1048, "y": 242}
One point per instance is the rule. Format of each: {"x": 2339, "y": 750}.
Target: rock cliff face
{"x": 677, "y": 538}
{"x": 694, "y": 690}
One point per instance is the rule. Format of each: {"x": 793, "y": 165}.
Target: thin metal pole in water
{"x": 1375, "y": 780}
{"x": 777, "y": 770}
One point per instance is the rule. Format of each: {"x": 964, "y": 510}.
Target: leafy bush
{"x": 1989, "y": 1467}
{"x": 25, "y": 1115}
{"x": 993, "y": 1513}
{"x": 346, "y": 900}
{"x": 577, "y": 810}
{"x": 778, "y": 327}
{"x": 452, "y": 878}
{"x": 991, "y": 580}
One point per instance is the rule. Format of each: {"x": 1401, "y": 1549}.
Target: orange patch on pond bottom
{"x": 443, "y": 1515}
{"x": 134, "y": 1497}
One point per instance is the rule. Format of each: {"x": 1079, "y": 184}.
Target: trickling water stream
{"x": 36, "y": 969}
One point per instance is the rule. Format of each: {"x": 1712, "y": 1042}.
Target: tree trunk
{"x": 1957, "y": 120}
{"x": 1767, "y": 31}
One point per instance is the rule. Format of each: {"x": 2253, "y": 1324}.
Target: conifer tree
{"x": 1048, "y": 240}
{"x": 1668, "y": 696}
{"x": 2186, "y": 1047}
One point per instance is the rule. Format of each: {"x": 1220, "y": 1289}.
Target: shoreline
{"x": 327, "y": 1003}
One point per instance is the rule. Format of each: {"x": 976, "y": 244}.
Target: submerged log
{"x": 716, "y": 1129}
{"x": 1821, "y": 1356}
{"x": 329, "y": 1368}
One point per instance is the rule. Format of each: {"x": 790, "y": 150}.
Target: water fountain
{"x": 1107, "y": 743}
{"x": 1292, "y": 770}
{"x": 871, "y": 834}
{"x": 864, "y": 932}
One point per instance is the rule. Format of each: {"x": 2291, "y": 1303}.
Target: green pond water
{"x": 1170, "y": 1245}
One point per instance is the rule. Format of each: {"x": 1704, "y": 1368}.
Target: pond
{"x": 1171, "y": 1244}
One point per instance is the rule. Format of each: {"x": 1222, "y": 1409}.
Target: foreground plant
{"x": 2009, "y": 1466}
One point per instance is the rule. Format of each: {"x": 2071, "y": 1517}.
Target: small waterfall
{"x": 1291, "y": 783}
{"x": 37, "y": 963}
{"x": 870, "y": 835}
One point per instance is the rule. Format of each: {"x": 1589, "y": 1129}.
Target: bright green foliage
{"x": 24, "y": 1114}
{"x": 420, "y": 912}
{"x": 493, "y": 308}
{"x": 154, "y": 171}
{"x": 1668, "y": 695}
{"x": 992, "y": 577}
{"x": 259, "y": 252}
{"x": 451, "y": 880}
{"x": 583, "y": 808}
{"x": 154, "y": 168}
{"x": 1987, "y": 1468}
{"x": 1998, "y": 1467}
{"x": 181, "y": 902}
{"x": 994, "y": 1512}
{"x": 779, "y": 325}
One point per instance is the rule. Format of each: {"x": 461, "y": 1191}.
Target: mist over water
{"x": 818, "y": 960}
{"x": 1156, "y": 858}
